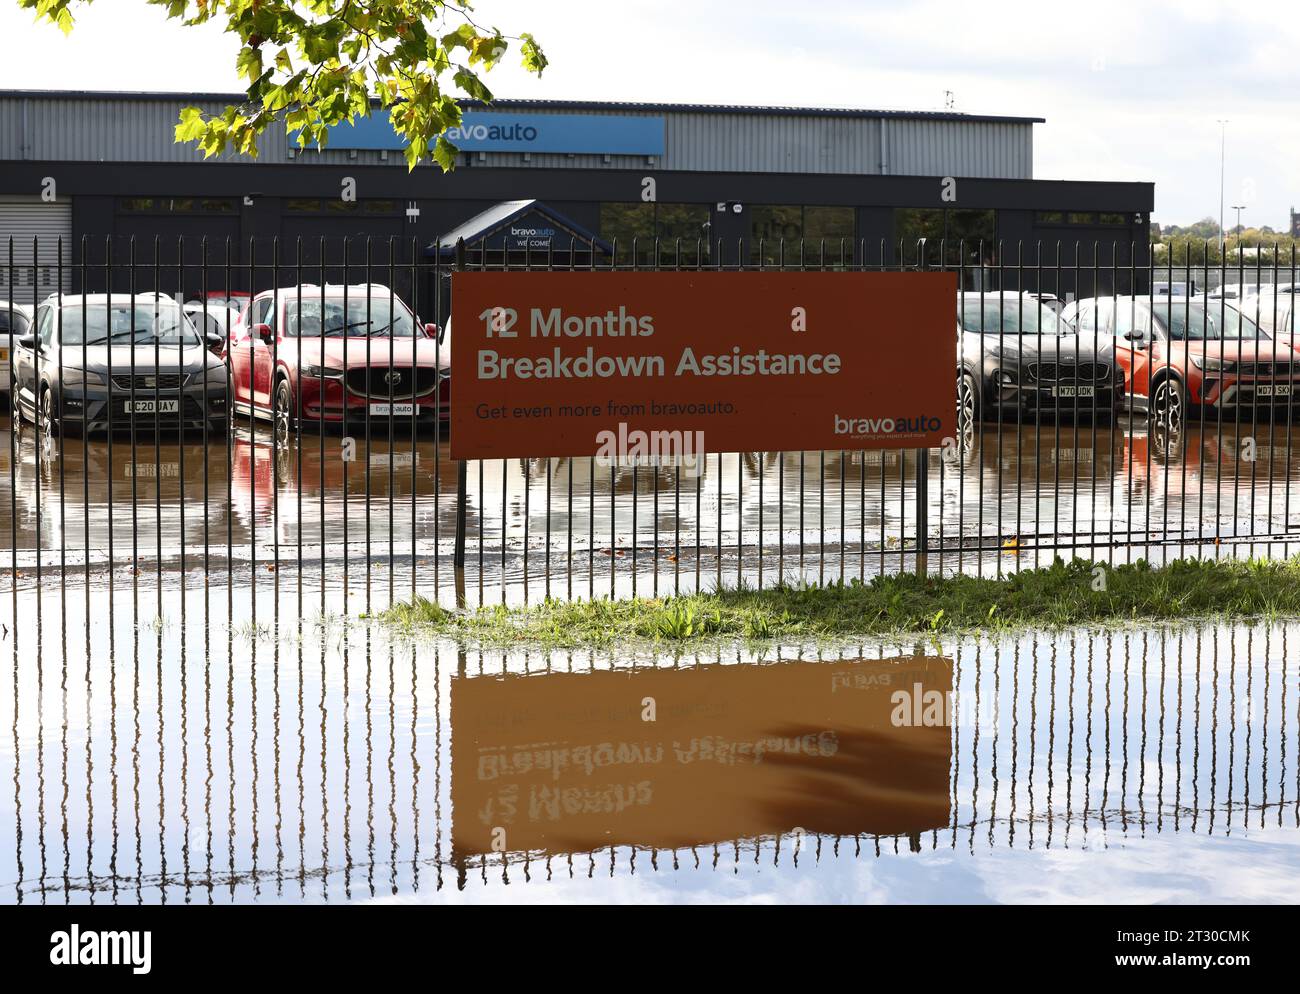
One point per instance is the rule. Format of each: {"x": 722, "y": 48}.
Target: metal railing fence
{"x": 1149, "y": 427}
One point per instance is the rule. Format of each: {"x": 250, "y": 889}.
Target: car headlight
{"x": 323, "y": 372}
{"x": 1212, "y": 364}
{"x": 215, "y": 376}
{"x": 71, "y": 377}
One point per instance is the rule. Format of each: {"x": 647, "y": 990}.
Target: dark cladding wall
{"x": 263, "y": 212}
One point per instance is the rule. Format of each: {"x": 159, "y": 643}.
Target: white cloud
{"x": 1130, "y": 91}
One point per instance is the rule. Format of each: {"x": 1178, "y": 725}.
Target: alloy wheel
{"x": 45, "y": 414}
{"x": 283, "y": 412}
{"x": 1167, "y": 405}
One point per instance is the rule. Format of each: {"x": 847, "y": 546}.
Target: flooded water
{"x": 347, "y": 512}
{"x": 198, "y": 712}
{"x": 160, "y": 753}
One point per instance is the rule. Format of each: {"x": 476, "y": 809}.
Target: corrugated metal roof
{"x": 773, "y": 110}
{"x": 68, "y": 126}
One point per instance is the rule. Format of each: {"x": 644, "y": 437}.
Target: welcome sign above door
{"x": 503, "y": 131}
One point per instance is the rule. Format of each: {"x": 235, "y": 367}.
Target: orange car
{"x": 1178, "y": 354}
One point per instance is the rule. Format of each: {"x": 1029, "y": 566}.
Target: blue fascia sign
{"x": 503, "y": 131}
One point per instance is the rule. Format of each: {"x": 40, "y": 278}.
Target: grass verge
{"x": 1064, "y": 594}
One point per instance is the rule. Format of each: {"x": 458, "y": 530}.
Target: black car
{"x": 99, "y": 363}
{"x": 1019, "y": 361}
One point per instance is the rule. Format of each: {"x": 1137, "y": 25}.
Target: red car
{"x": 308, "y": 354}
{"x": 1179, "y": 355}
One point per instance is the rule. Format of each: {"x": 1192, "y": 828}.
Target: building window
{"x": 639, "y": 224}
{"x": 685, "y": 221}
{"x": 315, "y": 205}
{"x": 1059, "y": 218}
{"x": 176, "y": 205}
{"x": 947, "y": 233}
{"x": 815, "y": 235}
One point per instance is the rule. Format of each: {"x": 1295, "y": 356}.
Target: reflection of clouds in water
{"x": 1179, "y": 870}
{"x": 1136, "y": 773}
{"x": 1182, "y": 868}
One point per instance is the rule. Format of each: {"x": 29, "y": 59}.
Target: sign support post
{"x": 922, "y": 510}
{"x": 461, "y": 488}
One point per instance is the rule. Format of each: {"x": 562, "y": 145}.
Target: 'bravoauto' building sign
{"x": 490, "y": 131}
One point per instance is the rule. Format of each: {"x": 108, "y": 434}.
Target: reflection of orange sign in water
{"x": 757, "y": 361}
{"x": 564, "y": 762}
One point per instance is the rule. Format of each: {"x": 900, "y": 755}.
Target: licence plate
{"x": 151, "y": 407}
{"x": 1073, "y": 391}
{"x": 392, "y": 410}
{"x": 1273, "y": 390}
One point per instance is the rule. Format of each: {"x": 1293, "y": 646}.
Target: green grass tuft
{"x": 1058, "y": 596}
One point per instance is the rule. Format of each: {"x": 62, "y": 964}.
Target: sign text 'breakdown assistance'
{"x": 550, "y": 364}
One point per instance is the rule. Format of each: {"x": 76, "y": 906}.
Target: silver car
{"x": 15, "y": 321}
{"x": 95, "y": 362}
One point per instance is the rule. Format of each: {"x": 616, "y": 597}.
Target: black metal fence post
{"x": 461, "y": 489}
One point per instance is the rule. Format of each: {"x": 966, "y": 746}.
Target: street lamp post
{"x": 1223, "y": 144}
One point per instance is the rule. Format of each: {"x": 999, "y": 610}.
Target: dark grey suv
{"x": 96, "y": 362}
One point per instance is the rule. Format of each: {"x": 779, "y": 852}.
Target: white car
{"x": 15, "y": 321}
{"x": 1274, "y": 310}
{"x": 214, "y": 320}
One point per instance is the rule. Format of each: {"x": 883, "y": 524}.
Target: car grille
{"x": 1069, "y": 372}
{"x": 148, "y": 381}
{"x": 384, "y": 382}
{"x": 1281, "y": 367}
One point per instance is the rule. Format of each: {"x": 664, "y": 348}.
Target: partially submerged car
{"x": 1178, "y": 354}
{"x": 1018, "y": 359}
{"x": 313, "y": 354}
{"x": 100, "y": 362}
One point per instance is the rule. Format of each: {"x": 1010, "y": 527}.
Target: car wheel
{"x": 48, "y": 424}
{"x": 1168, "y": 406}
{"x": 283, "y": 408}
{"x": 967, "y": 403}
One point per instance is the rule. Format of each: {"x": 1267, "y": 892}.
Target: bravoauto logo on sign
{"x": 497, "y": 131}
{"x": 899, "y": 429}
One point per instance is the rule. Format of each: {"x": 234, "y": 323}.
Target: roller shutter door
{"x": 35, "y": 227}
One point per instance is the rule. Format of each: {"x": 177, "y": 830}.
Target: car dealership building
{"x": 575, "y": 182}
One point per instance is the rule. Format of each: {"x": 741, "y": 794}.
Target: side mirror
{"x": 215, "y": 340}
{"x": 433, "y": 331}
{"x": 26, "y": 342}
{"x": 263, "y": 332}
{"x": 442, "y": 334}
{"x": 1135, "y": 336}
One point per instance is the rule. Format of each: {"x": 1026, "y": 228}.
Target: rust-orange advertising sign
{"x": 592, "y": 363}
{"x": 666, "y": 758}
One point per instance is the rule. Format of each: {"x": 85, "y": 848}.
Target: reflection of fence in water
{"x": 202, "y": 764}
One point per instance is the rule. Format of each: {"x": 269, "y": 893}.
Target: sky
{"x": 1131, "y": 90}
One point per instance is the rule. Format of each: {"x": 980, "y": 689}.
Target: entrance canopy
{"x": 519, "y": 226}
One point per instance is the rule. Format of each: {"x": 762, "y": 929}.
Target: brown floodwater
{"x": 337, "y": 512}
{"x": 198, "y": 713}
{"x": 160, "y": 752}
